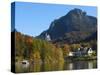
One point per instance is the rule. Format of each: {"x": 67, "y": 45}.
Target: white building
{"x": 90, "y": 51}
{"x": 79, "y": 49}
{"x": 71, "y": 54}
{"x": 82, "y": 52}
{"x": 25, "y": 63}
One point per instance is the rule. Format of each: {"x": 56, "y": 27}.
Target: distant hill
{"x": 92, "y": 37}
{"x": 75, "y": 26}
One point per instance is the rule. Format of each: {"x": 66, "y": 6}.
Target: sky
{"x": 34, "y": 18}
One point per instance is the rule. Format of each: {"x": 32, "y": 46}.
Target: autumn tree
{"x": 66, "y": 50}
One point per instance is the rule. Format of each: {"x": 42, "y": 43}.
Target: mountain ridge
{"x": 75, "y": 22}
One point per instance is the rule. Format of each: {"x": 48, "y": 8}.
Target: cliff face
{"x": 75, "y": 26}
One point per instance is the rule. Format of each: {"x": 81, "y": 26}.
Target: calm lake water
{"x": 37, "y": 67}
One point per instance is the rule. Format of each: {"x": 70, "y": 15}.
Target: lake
{"x": 69, "y": 65}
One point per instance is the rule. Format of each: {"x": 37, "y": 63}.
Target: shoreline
{"x": 83, "y": 58}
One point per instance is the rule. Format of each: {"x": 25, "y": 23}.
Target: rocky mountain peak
{"x": 76, "y": 25}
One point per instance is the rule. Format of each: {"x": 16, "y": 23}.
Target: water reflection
{"x": 90, "y": 65}
{"x": 80, "y": 65}
{"x": 37, "y": 67}
{"x": 70, "y": 66}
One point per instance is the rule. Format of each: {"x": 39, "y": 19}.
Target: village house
{"x": 90, "y": 51}
{"x": 82, "y": 52}
{"x": 25, "y": 62}
{"x": 71, "y": 54}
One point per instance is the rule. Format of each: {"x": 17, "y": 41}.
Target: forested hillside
{"x": 36, "y": 50}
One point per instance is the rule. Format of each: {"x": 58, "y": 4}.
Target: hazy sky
{"x": 34, "y": 18}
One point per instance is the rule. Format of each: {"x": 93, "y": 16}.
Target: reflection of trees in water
{"x": 50, "y": 66}
{"x": 21, "y": 68}
{"x": 46, "y": 67}
{"x": 35, "y": 67}
{"x": 80, "y": 65}
{"x": 53, "y": 66}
